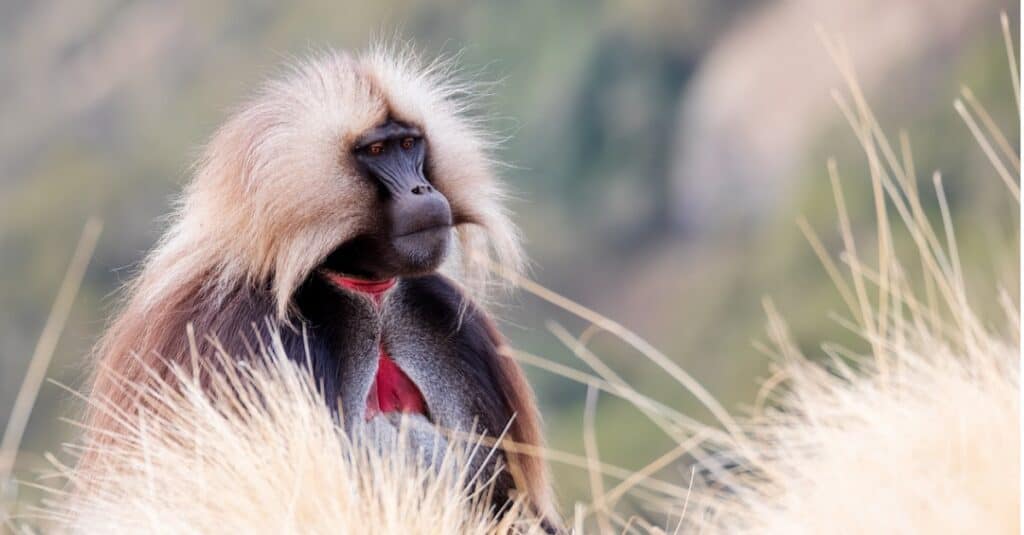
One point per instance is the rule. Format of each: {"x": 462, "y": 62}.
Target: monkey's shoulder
{"x": 435, "y": 291}
{"x": 439, "y": 301}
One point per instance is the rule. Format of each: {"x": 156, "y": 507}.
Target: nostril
{"x": 421, "y": 189}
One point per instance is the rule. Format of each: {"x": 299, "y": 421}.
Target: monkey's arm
{"x": 471, "y": 378}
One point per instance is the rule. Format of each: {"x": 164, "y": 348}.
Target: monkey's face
{"x": 414, "y": 219}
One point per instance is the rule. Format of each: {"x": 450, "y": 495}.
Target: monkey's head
{"x": 366, "y": 166}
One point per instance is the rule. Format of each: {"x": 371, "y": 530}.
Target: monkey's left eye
{"x": 376, "y": 149}
{"x": 407, "y": 143}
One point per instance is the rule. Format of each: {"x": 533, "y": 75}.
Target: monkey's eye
{"x": 407, "y": 143}
{"x": 376, "y": 149}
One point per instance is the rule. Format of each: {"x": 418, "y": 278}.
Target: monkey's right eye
{"x": 375, "y": 149}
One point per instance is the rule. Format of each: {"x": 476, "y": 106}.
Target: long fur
{"x": 274, "y": 194}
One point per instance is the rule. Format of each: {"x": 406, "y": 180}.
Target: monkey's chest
{"x": 391, "y": 390}
{"x": 403, "y": 347}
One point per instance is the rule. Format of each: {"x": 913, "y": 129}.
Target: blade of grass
{"x": 45, "y": 347}
{"x": 992, "y": 127}
{"x": 986, "y": 147}
{"x": 632, "y": 339}
{"x": 594, "y": 461}
{"x": 1011, "y": 57}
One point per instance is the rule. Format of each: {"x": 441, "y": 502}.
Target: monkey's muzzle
{"x": 419, "y": 210}
{"x": 421, "y": 223}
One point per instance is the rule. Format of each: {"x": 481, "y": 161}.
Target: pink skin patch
{"x": 392, "y": 390}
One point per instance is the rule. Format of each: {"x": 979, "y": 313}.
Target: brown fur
{"x": 274, "y": 193}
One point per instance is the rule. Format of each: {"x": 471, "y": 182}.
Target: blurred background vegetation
{"x": 661, "y": 152}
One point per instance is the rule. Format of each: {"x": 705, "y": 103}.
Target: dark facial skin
{"x": 417, "y": 220}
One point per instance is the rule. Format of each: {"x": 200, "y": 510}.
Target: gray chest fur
{"x": 428, "y": 357}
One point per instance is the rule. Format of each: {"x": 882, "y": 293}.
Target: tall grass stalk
{"x": 43, "y": 353}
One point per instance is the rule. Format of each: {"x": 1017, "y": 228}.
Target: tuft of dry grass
{"x": 259, "y": 451}
{"x": 931, "y": 446}
{"x": 921, "y": 433}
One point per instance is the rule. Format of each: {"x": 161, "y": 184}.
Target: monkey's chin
{"x": 376, "y": 257}
{"x": 423, "y": 251}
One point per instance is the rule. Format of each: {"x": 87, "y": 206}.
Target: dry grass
{"x": 920, "y": 434}
{"x": 45, "y": 347}
{"x": 917, "y": 434}
{"x": 10, "y": 443}
{"x": 262, "y": 453}
{"x": 931, "y": 446}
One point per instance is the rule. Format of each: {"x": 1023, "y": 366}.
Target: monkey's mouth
{"x": 425, "y": 232}
{"x": 417, "y": 251}
{"x": 421, "y": 250}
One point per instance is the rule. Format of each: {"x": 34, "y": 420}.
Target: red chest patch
{"x": 392, "y": 390}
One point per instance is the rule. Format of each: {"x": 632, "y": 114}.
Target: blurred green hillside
{"x": 660, "y": 153}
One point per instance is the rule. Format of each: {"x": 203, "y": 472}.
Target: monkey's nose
{"x": 422, "y": 208}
